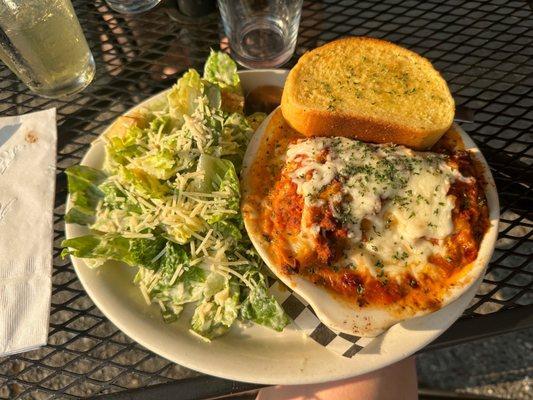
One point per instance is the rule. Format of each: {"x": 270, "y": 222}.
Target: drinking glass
{"x": 132, "y": 6}
{"x": 41, "y": 41}
{"x": 261, "y": 33}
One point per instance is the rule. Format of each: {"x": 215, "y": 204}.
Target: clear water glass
{"x": 132, "y": 6}
{"x": 261, "y": 33}
{"x": 42, "y": 42}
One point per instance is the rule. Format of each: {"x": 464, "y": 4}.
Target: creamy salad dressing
{"x": 393, "y": 201}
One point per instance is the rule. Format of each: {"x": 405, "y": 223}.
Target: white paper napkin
{"x": 27, "y": 186}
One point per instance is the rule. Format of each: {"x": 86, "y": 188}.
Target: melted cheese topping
{"x": 393, "y": 201}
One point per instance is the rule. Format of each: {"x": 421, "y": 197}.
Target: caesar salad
{"x": 167, "y": 202}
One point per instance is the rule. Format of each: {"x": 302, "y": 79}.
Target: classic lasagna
{"x": 378, "y": 225}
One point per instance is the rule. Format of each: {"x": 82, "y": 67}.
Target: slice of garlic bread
{"x": 368, "y": 89}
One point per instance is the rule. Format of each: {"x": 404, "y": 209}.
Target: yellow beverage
{"x": 42, "y": 42}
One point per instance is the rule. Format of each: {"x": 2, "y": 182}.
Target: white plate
{"x": 253, "y": 353}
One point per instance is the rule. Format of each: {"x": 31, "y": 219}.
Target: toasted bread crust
{"x": 311, "y": 122}
{"x": 316, "y": 121}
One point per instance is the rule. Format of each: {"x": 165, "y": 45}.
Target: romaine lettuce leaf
{"x": 221, "y": 70}
{"x": 236, "y": 134}
{"x": 262, "y": 308}
{"x": 219, "y": 308}
{"x": 219, "y": 176}
{"x": 173, "y": 263}
{"x": 115, "y": 247}
{"x": 257, "y": 304}
{"x": 83, "y": 184}
{"x": 78, "y": 216}
{"x": 160, "y": 164}
{"x": 215, "y": 171}
{"x": 160, "y": 124}
{"x": 229, "y": 185}
{"x": 184, "y": 95}
{"x": 229, "y": 228}
{"x": 179, "y": 282}
{"x": 171, "y": 312}
{"x": 145, "y": 252}
{"x": 189, "y": 287}
{"x": 111, "y": 247}
{"x": 204, "y": 127}
{"x": 182, "y": 98}
{"x": 214, "y": 97}
{"x": 115, "y": 198}
{"x": 183, "y": 231}
{"x": 142, "y": 182}
{"x": 122, "y": 147}
{"x": 175, "y": 257}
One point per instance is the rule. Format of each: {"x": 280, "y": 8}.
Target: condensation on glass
{"x": 42, "y": 42}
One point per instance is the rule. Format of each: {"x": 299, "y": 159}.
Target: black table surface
{"x": 484, "y": 50}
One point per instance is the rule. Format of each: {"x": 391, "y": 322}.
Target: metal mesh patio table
{"x": 483, "y": 49}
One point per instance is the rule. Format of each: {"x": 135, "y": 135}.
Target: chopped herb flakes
{"x": 380, "y": 195}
